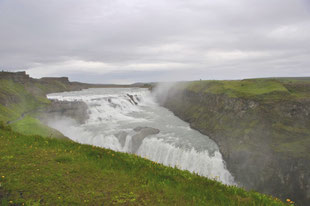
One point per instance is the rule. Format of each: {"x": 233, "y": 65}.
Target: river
{"x": 130, "y": 120}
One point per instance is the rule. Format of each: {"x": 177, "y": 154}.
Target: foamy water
{"x": 120, "y": 110}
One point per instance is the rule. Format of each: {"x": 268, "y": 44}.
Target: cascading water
{"x": 129, "y": 120}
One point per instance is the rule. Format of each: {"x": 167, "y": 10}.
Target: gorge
{"x": 260, "y": 125}
{"x": 129, "y": 120}
{"x": 251, "y": 133}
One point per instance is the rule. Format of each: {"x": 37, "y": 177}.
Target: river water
{"x": 130, "y": 120}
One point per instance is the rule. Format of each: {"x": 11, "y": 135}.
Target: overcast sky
{"x": 126, "y": 41}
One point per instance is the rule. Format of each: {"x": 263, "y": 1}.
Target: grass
{"x": 27, "y": 125}
{"x": 18, "y": 100}
{"x": 25, "y": 99}
{"x": 259, "y": 89}
{"x": 41, "y": 171}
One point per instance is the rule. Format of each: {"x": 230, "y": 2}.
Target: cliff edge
{"x": 262, "y": 127}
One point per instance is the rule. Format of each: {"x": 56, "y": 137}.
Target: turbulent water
{"x": 130, "y": 120}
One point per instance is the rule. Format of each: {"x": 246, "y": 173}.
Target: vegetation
{"x": 32, "y": 126}
{"x": 20, "y": 101}
{"x": 15, "y": 100}
{"x": 35, "y": 170}
{"x": 259, "y": 89}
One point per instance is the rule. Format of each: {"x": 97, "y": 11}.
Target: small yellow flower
{"x": 113, "y": 155}
{"x": 3, "y": 176}
{"x": 11, "y": 202}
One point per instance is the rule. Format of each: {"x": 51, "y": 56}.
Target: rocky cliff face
{"x": 20, "y": 77}
{"x": 265, "y": 144}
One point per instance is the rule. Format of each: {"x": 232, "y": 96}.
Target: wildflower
{"x": 3, "y": 176}
{"x": 11, "y": 202}
{"x": 112, "y": 155}
{"x": 288, "y": 200}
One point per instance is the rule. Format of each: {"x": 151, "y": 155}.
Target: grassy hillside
{"x": 16, "y": 100}
{"x": 41, "y": 171}
{"x": 21, "y": 99}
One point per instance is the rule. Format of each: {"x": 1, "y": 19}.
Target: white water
{"x": 112, "y": 111}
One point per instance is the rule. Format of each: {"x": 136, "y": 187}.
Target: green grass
{"x": 18, "y": 100}
{"x": 41, "y": 171}
{"x": 260, "y": 89}
{"x": 27, "y": 125}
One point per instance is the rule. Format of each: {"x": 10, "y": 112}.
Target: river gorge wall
{"x": 265, "y": 143}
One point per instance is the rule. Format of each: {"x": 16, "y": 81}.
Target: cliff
{"x": 260, "y": 125}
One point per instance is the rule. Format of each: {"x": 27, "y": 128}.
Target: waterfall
{"x": 130, "y": 120}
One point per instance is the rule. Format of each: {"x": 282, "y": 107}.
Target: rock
{"x": 121, "y": 136}
{"x": 132, "y": 99}
{"x": 142, "y": 132}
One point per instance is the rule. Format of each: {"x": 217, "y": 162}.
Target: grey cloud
{"x": 155, "y": 39}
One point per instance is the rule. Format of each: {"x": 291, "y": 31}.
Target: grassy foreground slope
{"x": 36, "y": 170}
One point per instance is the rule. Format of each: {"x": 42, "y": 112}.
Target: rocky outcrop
{"x": 133, "y": 99}
{"x": 121, "y": 136}
{"x": 265, "y": 143}
{"x": 20, "y": 77}
{"x": 142, "y": 132}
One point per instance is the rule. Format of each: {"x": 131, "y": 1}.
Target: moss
{"x": 292, "y": 140}
{"x": 297, "y": 149}
{"x": 291, "y": 129}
